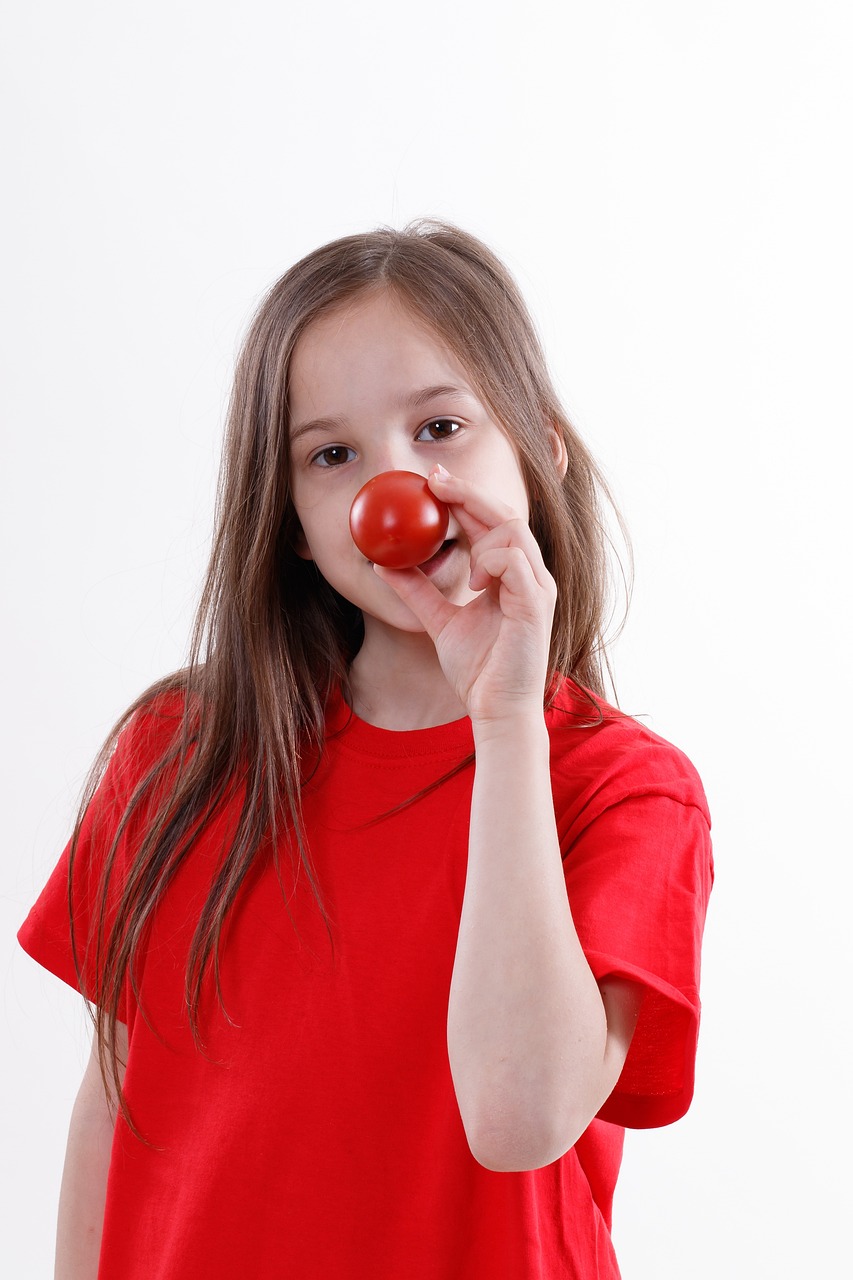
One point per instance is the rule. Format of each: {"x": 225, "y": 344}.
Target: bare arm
{"x": 535, "y": 1046}
{"x": 84, "y": 1177}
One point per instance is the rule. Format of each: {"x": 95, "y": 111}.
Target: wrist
{"x": 522, "y": 729}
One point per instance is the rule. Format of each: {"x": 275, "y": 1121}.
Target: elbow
{"x": 523, "y": 1143}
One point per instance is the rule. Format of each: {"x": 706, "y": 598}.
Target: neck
{"x": 397, "y": 683}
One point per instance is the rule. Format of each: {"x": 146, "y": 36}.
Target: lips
{"x": 436, "y": 561}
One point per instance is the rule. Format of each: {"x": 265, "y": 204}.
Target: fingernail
{"x": 440, "y": 473}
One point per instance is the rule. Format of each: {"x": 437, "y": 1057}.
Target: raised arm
{"x": 84, "y": 1177}
{"x": 535, "y": 1045}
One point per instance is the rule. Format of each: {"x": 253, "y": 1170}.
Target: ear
{"x": 558, "y": 449}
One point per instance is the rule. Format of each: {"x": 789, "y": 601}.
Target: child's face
{"x": 359, "y": 369}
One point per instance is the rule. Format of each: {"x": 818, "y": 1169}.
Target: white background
{"x": 670, "y": 183}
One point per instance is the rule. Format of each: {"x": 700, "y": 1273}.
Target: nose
{"x": 397, "y": 456}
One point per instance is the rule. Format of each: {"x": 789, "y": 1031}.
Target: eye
{"x": 440, "y": 429}
{"x": 333, "y": 455}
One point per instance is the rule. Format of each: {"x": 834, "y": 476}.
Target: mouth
{"x": 436, "y": 561}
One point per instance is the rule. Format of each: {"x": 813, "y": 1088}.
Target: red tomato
{"x": 396, "y": 521}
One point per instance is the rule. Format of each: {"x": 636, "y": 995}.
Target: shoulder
{"x": 600, "y": 756}
{"x": 151, "y": 731}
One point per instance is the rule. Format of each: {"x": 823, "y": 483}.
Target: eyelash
{"x": 433, "y": 421}
{"x": 331, "y": 448}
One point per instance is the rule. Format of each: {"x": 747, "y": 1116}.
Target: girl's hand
{"x": 494, "y": 649}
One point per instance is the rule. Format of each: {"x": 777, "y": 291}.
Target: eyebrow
{"x": 416, "y": 400}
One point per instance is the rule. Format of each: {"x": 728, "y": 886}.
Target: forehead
{"x": 373, "y": 344}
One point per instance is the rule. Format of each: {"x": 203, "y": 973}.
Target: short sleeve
{"x": 46, "y": 934}
{"x": 638, "y": 878}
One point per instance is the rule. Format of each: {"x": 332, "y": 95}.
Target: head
{"x": 454, "y": 287}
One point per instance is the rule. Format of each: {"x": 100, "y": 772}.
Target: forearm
{"x": 526, "y": 1025}
{"x": 84, "y": 1182}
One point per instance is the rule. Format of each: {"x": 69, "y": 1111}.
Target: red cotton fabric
{"x": 318, "y": 1136}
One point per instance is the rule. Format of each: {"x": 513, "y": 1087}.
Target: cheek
{"x": 515, "y": 490}
{"x": 298, "y": 522}
{"x": 499, "y": 467}
{"x": 299, "y": 542}
{"x": 302, "y": 538}
{"x": 323, "y": 536}
{"x": 522, "y": 503}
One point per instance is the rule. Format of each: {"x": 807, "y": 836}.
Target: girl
{"x": 390, "y": 921}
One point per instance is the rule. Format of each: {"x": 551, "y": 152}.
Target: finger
{"x": 520, "y": 594}
{"x": 424, "y": 599}
{"x": 513, "y": 533}
{"x": 474, "y": 507}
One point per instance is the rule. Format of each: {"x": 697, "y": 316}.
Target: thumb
{"x": 416, "y": 591}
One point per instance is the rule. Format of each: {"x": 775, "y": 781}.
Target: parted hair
{"x": 272, "y": 638}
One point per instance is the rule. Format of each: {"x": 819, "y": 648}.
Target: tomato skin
{"x": 396, "y": 521}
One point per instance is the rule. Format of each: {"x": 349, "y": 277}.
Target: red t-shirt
{"x": 318, "y": 1136}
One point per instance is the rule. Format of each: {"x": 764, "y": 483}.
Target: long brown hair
{"x": 272, "y": 638}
